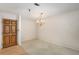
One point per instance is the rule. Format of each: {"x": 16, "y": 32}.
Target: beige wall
{"x": 62, "y": 30}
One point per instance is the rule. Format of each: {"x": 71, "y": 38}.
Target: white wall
{"x": 28, "y": 29}
{"x": 62, "y": 30}
{"x": 0, "y": 32}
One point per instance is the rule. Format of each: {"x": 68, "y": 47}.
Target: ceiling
{"x": 46, "y": 8}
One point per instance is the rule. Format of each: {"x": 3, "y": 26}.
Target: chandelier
{"x": 40, "y": 21}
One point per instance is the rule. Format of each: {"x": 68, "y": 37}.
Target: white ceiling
{"x": 47, "y": 8}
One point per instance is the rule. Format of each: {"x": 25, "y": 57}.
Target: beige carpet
{"x": 40, "y": 47}
{"x": 14, "y": 50}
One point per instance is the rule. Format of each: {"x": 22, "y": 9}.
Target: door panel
{"x": 13, "y": 41}
{"x": 6, "y": 29}
{"x": 13, "y": 22}
{"x": 6, "y": 41}
{"x": 13, "y": 32}
{"x": 13, "y": 29}
{"x": 9, "y": 32}
{"x": 6, "y": 21}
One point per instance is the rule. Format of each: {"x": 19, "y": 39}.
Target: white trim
{"x": 19, "y": 30}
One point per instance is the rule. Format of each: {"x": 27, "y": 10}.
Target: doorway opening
{"x": 9, "y": 33}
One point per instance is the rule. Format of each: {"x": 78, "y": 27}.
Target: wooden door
{"x": 9, "y": 33}
{"x": 13, "y": 32}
